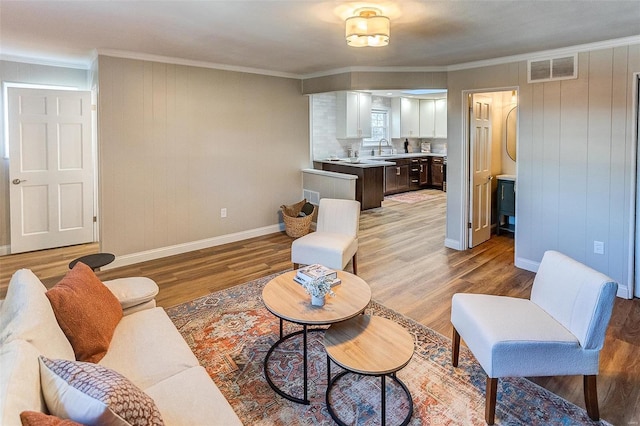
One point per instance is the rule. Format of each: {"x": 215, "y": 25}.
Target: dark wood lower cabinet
{"x": 396, "y": 178}
{"x": 369, "y": 185}
{"x": 414, "y": 174}
{"x": 390, "y": 179}
{"x": 437, "y": 172}
{"x": 424, "y": 172}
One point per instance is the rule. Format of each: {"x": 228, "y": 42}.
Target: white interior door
{"x": 480, "y": 151}
{"x": 50, "y": 168}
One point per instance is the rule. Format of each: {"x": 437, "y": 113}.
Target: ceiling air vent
{"x": 549, "y": 69}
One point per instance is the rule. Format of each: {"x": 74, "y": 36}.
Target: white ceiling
{"x": 305, "y": 37}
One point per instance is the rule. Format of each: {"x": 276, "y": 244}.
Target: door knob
{"x": 18, "y": 181}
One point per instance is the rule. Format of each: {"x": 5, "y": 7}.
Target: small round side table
{"x": 94, "y": 261}
{"x": 371, "y": 346}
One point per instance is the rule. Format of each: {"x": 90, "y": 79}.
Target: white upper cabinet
{"x": 433, "y": 118}
{"x": 441, "y": 118}
{"x": 353, "y": 115}
{"x": 427, "y": 118}
{"x": 405, "y": 118}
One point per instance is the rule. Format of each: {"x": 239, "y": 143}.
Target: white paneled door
{"x": 50, "y": 168}
{"x": 480, "y": 197}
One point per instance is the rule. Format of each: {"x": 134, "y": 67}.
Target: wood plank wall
{"x": 576, "y": 163}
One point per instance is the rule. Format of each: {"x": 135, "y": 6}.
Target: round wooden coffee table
{"x": 372, "y": 346}
{"x": 288, "y": 300}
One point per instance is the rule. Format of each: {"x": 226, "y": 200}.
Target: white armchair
{"x": 335, "y": 241}
{"x": 560, "y": 330}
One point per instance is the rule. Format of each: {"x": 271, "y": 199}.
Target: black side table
{"x": 94, "y": 261}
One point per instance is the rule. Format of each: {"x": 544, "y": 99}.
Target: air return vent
{"x": 312, "y": 196}
{"x": 560, "y": 68}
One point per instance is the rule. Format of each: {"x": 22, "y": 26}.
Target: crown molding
{"x": 626, "y": 41}
{"x": 83, "y": 64}
{"x": 193, "y": 63}
{"x": 87, "y": 63}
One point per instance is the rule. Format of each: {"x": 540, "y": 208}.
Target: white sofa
{"x": 146, "y": 348}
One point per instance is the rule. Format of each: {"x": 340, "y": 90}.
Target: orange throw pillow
{"x": 34, "y": 418}
{"x": 87, "y": 312}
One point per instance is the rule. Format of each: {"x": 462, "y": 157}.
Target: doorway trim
{"x": 466, "y": 160}
{"x": 634, "y": 241}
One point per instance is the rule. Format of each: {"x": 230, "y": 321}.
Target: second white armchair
{"x": 559, "y": 330}
{"x": 335, "y": 240}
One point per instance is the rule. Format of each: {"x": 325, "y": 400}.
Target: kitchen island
{"x": 390, "y": 174}
{"x": 370, "y": 182}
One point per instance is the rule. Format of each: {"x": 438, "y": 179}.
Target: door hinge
{"x": 95, "y": 219}
{"x": 469, "y": 225}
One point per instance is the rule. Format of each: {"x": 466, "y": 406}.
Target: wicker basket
{"x": 296, "y": 226}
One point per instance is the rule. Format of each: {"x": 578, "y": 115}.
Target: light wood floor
{"x": 403, "y": 258}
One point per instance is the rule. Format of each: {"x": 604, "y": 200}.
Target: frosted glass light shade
{"x": 368, "y": 28}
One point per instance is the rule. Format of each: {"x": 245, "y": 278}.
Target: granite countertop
{"x": 507, "y": 177}
{"x": 363, "y": 164}
{"x": 379, "y": 160}
{"x": 409, "y": 155}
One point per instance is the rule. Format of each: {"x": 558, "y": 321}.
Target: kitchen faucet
{"x": 380, "y": 145}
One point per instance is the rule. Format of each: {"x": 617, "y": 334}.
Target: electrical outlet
{"x": 223, "y": 212}
{"x": 598, "y": 247}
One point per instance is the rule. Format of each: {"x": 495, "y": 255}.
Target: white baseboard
{"x": 526, "y": 264}
{"x": 4, "y": 250}
{"x": 130, "y": 259}
{"x": 623, "y": 292}
{"x": 453, "y": 244}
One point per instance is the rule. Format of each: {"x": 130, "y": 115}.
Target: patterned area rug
{"x": 412, "y": 197}
{"x": 231, "y": 331}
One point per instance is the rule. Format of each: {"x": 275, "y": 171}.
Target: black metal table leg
{"x": 332, "y": 382}
{"x": 305, "y": 352}
{"x": 304, "y": 360}
{"x": 383, "y": 400}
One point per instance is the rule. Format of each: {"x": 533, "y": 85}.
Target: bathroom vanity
{"x": 506, "y": 203}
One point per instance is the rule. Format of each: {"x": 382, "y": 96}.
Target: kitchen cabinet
{"x": 427, "y": 118}
{"x": 424, "y": 171}
{"x": 369, "y": 185}
{"x": 353, "y": 115}
{"x": 441, "y": 118}
{"x": 506, "y": 205}
{"x": 414, "y": 174}
{"x": 405, "y": 118}
{"x": 433, "y": 118}
{"x": 437, "y": 172}
{"x": 396, "y": 178}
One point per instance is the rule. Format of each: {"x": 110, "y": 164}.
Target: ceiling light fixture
{"x": 367, "y": 28}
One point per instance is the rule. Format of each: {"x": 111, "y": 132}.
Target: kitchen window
{"x": 379, "y": 127}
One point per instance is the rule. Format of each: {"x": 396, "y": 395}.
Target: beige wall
{"x": 16, "y": 72}
{"x": 575, "y": 159}
{"x": 179, "y": 143}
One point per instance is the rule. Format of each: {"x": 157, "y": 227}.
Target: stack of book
{"x": 311, "y": 273}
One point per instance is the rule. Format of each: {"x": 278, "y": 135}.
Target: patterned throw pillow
{"x": 92, "y": 394}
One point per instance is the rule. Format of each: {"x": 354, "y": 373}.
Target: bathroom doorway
{"x": 491, "y": 137}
